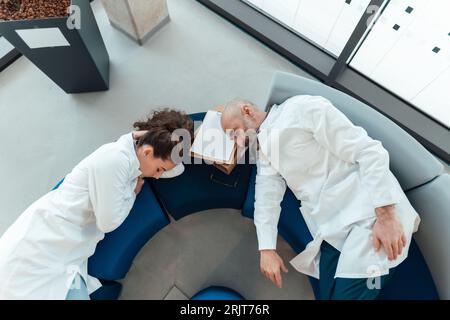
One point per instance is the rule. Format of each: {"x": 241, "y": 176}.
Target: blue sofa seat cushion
{"x": 202, "y": 187}
{"x": 110, "y": 290}
{"x": 217, "y": 293}
{"x": 411, "y": 281}
{"x": 115, "y": 253}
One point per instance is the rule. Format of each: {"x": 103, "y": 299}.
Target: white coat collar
{"x": 130, "y": 145}
{"x": 269, "y": 137}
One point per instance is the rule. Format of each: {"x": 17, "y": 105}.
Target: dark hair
{"x": 161, "y": 125}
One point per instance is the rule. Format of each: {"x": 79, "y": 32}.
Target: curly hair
{"x": 162, "y": 136}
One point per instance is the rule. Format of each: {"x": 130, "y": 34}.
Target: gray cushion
{"x": 410, "y": 162}
{"x": 432, "y": 202}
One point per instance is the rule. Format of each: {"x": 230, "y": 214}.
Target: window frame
{"x": 9, "y": 58}
{"x": 12, "y": 56}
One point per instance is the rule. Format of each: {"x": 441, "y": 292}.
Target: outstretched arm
{"x": 269, "y": 191}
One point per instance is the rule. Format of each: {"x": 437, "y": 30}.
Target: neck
{"x": 260, "y": 117}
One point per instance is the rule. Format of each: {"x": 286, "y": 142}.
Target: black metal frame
{"x": 9, "y": 58}
{"x": 432, "y": 134}
{"x": 351, "y": 45}
{"x": 82, "y": 66}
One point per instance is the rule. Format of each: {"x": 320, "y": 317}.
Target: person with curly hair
{"x": 44, "y": 254}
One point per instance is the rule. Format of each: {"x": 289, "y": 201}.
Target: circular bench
{"x": 203, "y": 187}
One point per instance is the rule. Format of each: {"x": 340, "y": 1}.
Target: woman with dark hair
{"x": 44, "y": 254}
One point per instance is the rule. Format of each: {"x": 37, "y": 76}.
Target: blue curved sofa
{"x": 217, "y": 293}
{"x": 423, "y": 275}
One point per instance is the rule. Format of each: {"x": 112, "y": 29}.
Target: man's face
{"x": 238, "y": 128}
{"x": 235, "y": 129}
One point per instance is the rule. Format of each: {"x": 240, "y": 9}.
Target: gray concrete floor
{"x": 194, "y": 63}
{"x": 210, "y": 248}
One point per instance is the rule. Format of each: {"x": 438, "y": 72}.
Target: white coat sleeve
{"x": 350, "y": 143}
{"x": 110, "y": 191}
{"x": 269, "y": 192}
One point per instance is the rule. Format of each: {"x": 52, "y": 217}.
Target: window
{"x": 408, "y": 53}
{"x": 390, "y": 54}
{"x": 327, "y": 23}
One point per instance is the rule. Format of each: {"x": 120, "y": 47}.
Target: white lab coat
{"x": 50, "y": 243}
{"x": 339, "y": 174}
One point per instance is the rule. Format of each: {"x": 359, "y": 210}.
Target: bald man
{"x": 353, "y": 206}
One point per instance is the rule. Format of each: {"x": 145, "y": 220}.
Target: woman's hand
{"x": 138, "y": 134}
{"x": 139, "y": 185}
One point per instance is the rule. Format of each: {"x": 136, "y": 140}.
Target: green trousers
{"x": 332, "y": 288}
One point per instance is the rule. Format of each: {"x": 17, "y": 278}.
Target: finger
{"x": 140, "y": 134}
{"x": 283, "y": 267}
{"x": 272, "y": 278}
{"x": 265, "y": 273}
{"x": 376, "y": 243}
{"x": 394, "y": 250}
{"x": 388, "y": 250}
{"x": 400, "y": 247}
{"x": 279, "y": 281}
{"x": 404, "y": 240}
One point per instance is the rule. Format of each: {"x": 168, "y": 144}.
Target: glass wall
{"x": 327, "y": 23}
{"x": 407, "y": 50}
{"x": 408, "y": 53}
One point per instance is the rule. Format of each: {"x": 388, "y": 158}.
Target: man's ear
{"x": 247, "y": 110}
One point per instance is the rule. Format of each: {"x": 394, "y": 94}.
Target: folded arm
{"x": 110, "y": 190}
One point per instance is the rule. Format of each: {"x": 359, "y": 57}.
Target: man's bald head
{"x": 234, "y": 110}
{"x": 239, "y": 116}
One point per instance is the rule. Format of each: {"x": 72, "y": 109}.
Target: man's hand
{"x": 271, "y": 266}
{"x": 139, "y": 185}
{"x": 388, "y": 231}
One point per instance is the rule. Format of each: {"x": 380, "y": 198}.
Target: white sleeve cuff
{"x": 267, "y": 238}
